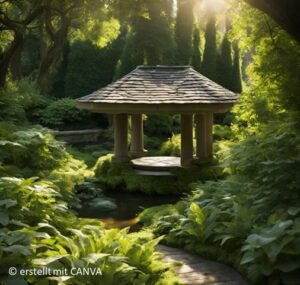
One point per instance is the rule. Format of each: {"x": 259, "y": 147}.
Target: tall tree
{"x": 224, "y": 64}
{"x": 131, "y": 55}
{"x": 56, "y": 22}
{"x": 210, "y": 51}
{"x": 58, "y": 19}
{"x": 149, "y": 39}
{"x": 15, "y": 17}
{"x": 184, "y": 30}
{"x": 196, "y": 55}
{"x": 236, "y": 85}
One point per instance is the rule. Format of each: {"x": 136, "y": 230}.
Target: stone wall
{"x": 79, "y": 136}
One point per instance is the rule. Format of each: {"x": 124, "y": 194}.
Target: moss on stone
{"x": 114, "y": 175}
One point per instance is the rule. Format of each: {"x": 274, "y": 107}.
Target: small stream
{"x": 129, "y": 205}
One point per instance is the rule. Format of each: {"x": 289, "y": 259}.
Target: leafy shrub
{"x": 153, "y": 144}
{"x": 62, "y": 111}
{"x": 33, "y": 152}
{"x": 172, "y": 146}
{"x": 63, "y": 114}
{"x": 221, "y": 132}
{"x": 161, "y": 125}
{"x": 20, "y": 100}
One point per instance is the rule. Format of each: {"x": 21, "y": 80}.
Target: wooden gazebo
{"x": 161, "y": 90}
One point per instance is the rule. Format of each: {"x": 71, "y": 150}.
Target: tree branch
{"x": 285, "y": 13}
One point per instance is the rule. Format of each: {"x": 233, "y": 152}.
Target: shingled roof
{"x": 160, "y": 85}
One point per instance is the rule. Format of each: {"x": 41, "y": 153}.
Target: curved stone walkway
{"x": 193, "y": 269}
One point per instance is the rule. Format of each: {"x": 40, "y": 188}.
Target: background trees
{"x": 46, "y": 39}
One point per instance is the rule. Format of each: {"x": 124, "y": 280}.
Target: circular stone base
{"x": 156, "y": 163}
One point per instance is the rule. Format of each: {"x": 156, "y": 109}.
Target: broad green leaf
{"x": 256, "y": 240}
{"x": 18, "y": 249}
{"x": 8, "y": 203}
{"x": 247, "y": 257}
{"x": 4, "y": 218}
{"x": 289, "y": 266}
{"x": 293, "y": 210}
{"x": 48, "y": 260}
{"x": 94, "y": 257}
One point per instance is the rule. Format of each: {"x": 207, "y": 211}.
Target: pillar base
{"x": 186, "y": 163}
{"x": 120, "y": 159}
{"x": 203, "y": 160}
{"x": 137, "y": 154}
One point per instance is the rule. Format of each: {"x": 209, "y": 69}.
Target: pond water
{"x": 129, "y": 205}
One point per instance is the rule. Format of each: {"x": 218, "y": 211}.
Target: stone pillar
{"x": 186, "y": 140}
{"x": 121, "y": 137}
{"x": 137, "y": 136}
{"x": 204, "y": 137}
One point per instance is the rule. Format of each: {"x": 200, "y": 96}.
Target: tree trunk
{"x": 53, "y": 53}
{"x": 15, "y": 62}
{"x": 7, "y": 56}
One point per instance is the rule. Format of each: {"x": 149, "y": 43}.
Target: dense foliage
{"x": 39, "y": 227}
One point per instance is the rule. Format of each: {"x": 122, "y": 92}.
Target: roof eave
{"x": 138, "y": 108}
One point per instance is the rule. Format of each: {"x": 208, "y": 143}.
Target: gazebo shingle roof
{"x": 162, "y": 85}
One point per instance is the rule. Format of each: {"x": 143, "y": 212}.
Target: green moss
{"x": 113, "y": 175}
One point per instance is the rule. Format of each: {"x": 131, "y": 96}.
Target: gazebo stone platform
{"x": 156, "y": 163}
{"x": 161, "y": 90}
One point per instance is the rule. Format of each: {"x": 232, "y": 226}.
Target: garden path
{"x": 193, "y": 269}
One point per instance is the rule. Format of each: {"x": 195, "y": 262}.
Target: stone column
{"x": 137, "y": 136}
{"x": 121, "y": 137}
{"x": 204, "y": 137}
{"x": 186, "y": 140}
